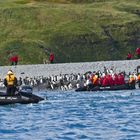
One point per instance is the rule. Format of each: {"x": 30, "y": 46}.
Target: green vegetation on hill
{"x": 75, "y": 30}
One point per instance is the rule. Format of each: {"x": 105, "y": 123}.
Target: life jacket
{"x": 95, "y": 80}
{"x": 10, "y": 79}
{"x": 138, "y": 77}
{"x": 131, "y": 79}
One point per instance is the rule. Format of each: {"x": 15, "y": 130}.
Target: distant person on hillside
{"x": 11, "y": 60}
{"x": 14, "y": 60}
{"x": 129, "y": 56}
{"x": 138, "y": 53}
{"x": 51, "y": 58}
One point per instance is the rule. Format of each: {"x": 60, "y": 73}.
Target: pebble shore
{"x": 68, "y": 68}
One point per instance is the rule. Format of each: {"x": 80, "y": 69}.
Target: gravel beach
{"x": 68, "y": 68}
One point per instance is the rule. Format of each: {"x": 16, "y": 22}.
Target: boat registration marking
{"x": 13, "y": 98}
{"x": 104, "y": 87}
{"x": 2, "y": 97}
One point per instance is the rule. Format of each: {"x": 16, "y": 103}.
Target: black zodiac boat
{"x": 23, "y": 96}
{"x": 108, "y": 88}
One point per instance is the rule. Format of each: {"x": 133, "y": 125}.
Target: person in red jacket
{"x": 129, "y": 56}
{"x": 116, "y": 79}
{"x": 11, "y": 60}
{"x": 51, "y": 58}
{"x": 111, "y": 81}
{"x": 138, "y": 52}
{"x": 15, "y": 60}
{"x": 105, "y": 81}
{"x": 121, "y": 79}
{"x": 101, "y": 80}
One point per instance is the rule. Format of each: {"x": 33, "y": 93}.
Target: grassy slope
{"x": 74, "y": 32}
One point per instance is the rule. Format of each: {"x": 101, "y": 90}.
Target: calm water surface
{"x": 74, "y": 116}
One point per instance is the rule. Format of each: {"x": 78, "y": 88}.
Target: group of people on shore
{"x": 72, "y": 81}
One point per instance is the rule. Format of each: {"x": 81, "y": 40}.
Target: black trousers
{"x": 139, "y": 83}
{"x": 10, "y": 90}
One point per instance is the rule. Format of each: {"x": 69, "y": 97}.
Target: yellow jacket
{"x": 10, "y": 79}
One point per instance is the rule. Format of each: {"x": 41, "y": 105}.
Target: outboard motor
{"x": 26, "y": 89}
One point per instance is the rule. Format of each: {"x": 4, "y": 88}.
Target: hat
{"x": 10, "y": 72}
{"x": 131, "y": 76}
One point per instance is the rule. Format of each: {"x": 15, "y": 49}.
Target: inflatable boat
{"x": 111, "y": 88}
{"x": 23, "y": 96}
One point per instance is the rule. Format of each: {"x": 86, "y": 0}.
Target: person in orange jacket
{"x": 131, "y": 81}
{"x": 95, "y": 80}
{"x": 138, "y": 80}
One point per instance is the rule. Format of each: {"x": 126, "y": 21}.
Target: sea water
{"x": 113, "y": 115}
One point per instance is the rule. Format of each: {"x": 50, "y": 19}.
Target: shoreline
{"x": 46, "y": 70}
